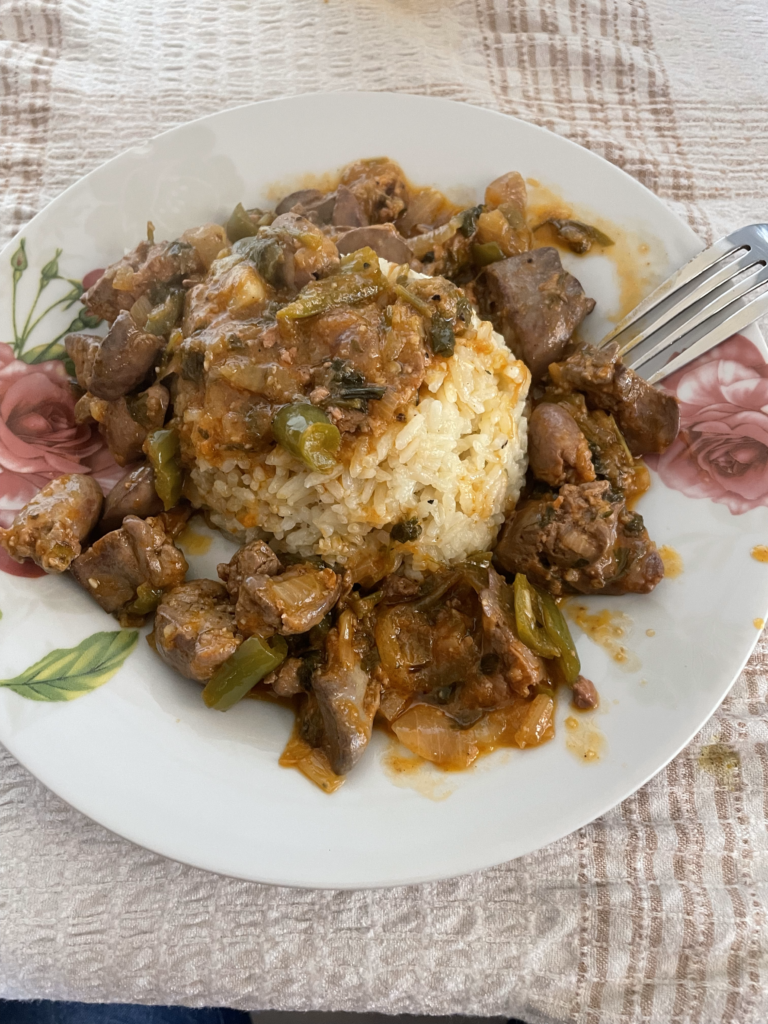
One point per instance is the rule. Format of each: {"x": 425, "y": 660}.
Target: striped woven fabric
{"x": 656, "y": 912}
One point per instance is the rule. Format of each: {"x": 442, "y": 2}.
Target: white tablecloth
{"x": 655, "y": 913}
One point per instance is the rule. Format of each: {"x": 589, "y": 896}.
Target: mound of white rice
{"x": 456, "y": 465}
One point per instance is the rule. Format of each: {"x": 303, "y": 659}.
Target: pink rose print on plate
{"x": 39, "y": 439}
{"x": 722, "y": 449}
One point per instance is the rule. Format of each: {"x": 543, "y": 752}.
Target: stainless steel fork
{"x": 700, "y": 305}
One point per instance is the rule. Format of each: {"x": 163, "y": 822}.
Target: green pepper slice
{"x": 359, "y": 278}
{"x": 485, "y": 253}
{"x": 147, "y": 599}
{"x": 266, "y": 254}
{"x": 542, "y": 627}
{"x": 164, "y": 317}
{"x": 240, "y": 225}
{"x": 531, "y": 633}
{"x": 253, "y": 659}
{"x": 558, "y": 631}
{"x": 163, "y": 452}
{"x": 442, "y": 336}
{"x": 577, "y": 235}
{"x": 306, "y": 432}
{"x": 414, "y": 300}
{"x": 469, "y": 217}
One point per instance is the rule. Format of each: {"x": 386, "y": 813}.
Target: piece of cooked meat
{"x": 139, "y": 554}
{"x": 133, "y": 495}
{"x": 347, "y": 697}
{"x": 582, "y": 541}
{"x": 306, "y": 253}
{"x": 116, "y": 365}
{"x": 648, "y": 417}
{"x": 640, "y": 564}
{"x": 385, "y": 240}
{"x": 311, "y": 203}
{"x": 347, "y": 210}
{"x": 558, "y": 452}
{"x": 52, "y": 526}
{"x": 126, "y": 422}
{"x": 147, "y": 266}
{"x": 340, "y": 208}
{"x": 585, "y": 696}
{"x": 395, "y": 589}
{"x": 340, "y": 360}
{"x": 455, "y": 644}
{"x": 195, "y": 628}
{"x": 254, "y": 559}
{"x": 285, "y": 680}
{"x": 379, "y": 186}
{"x": 535, "y": 304}
{"x": 292, "y": 602}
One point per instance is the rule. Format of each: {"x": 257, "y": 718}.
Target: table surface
{"x": 656, "y": 912}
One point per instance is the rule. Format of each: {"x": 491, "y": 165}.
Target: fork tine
{"x": 709, "y": 258}
{"x": 704, "y": 337}
{"x": 696, "y": 314}
{"x": 683, "y": 300}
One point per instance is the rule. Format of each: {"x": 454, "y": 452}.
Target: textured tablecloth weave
{"x": 654, "y": 913}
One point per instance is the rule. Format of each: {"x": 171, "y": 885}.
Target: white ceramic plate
{"x": 143, "y": 756}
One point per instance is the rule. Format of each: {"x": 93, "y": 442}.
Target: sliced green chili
{"x": 240, "y": 224}
{"x": 531, "y": 633}
{"x": 363, "y": 606}
{"x": 147, "y": 599}
{"x": 266, "y": 254}
{"x": 252, "y": 660}
{"x": 487, "y": 252}
{"x": 306, "y": 432}
{"x": 542, "y": 627}
{"x": 469, "y": 217}
{"x": 441, "y": 335}
{"x": 577, "y": 235}
{"x": 164, "y": 317}
{"x": 558, "y": 631}
{"x": 163, "y": 452}
{"x": 414, "y": 300}
{"x": 358, "y": 278}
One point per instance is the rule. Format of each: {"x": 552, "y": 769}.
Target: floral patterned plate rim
{"x": 91, "y": 711}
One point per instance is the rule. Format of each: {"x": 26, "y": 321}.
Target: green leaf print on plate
{"x": 23, "y": 330}
{"x": 71, "y": 672}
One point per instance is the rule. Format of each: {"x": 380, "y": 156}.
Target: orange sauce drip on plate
{"x": 608, "y": 629}
{"x": 673, "y": 562}
{"x": 630, "y": 255}
{"x": 641, "y": 483}
{"x": 193, "y": 543}
{"x": 760, "y": 552}
{"x": 584, "y": 739}
{"x": 409, "y": 771}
